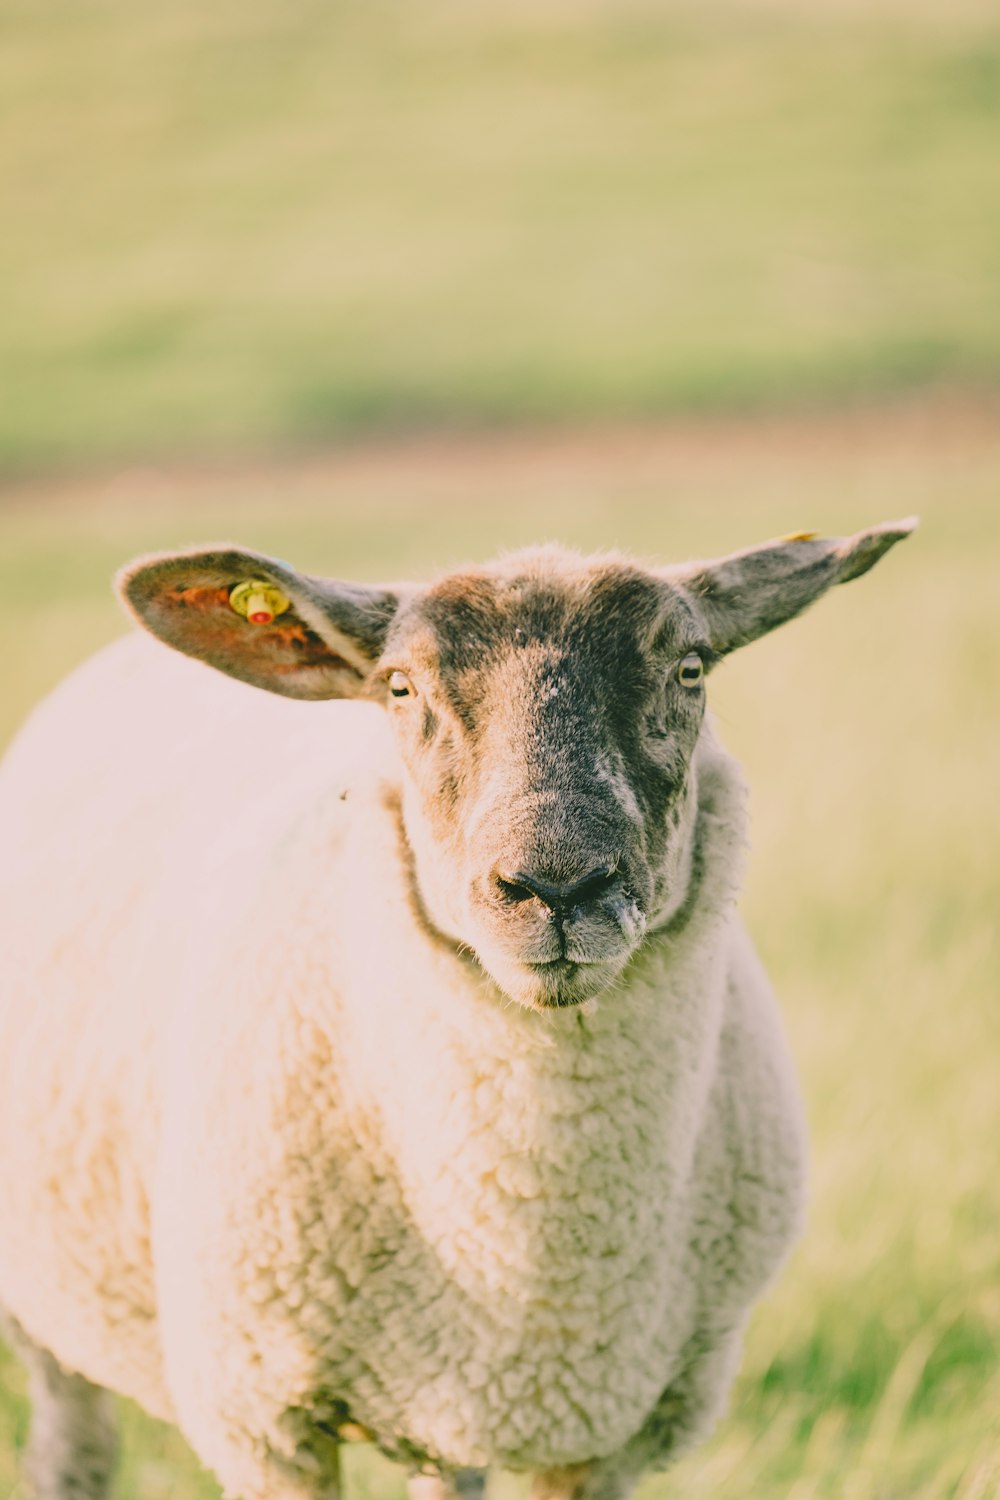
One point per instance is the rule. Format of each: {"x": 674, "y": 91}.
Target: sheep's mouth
{"x": 563, "y": 982}
{"x": 557, "y": 980}
{"x": 553, "y": 981}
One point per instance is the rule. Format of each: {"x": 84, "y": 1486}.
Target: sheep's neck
{"x": 564, "y": 1129}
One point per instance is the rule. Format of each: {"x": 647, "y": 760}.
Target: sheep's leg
{"x": 458, "y": 1484}
{"x": 332, "y": 1485}
{"x": 685, "y": 1410}
{"x": 72, "y": 1441}
{"x": 602, "y": 1479}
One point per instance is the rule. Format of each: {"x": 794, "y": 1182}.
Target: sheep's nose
{"x": 527, "y": 885}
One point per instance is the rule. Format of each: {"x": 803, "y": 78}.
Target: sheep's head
{"x": 546, "y": 710}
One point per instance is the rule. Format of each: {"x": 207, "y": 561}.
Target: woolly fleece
{"x": 273, "y": 1156}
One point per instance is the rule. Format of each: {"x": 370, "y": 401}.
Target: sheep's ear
{"x": 260, "y": 620}
{"x": 746, "y": 594}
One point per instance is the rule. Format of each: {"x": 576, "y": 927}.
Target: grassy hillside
{"x": 869, "y": 732}
{"x": 262, "y": 224}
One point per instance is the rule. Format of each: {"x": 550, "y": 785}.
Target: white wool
{"x": 266, "y": 1141}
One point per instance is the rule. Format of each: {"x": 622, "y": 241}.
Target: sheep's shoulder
{"x": 751, "y": 1159}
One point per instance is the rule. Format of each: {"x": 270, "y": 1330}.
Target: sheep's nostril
{"x": 592, "y": 886}
{"x": 525, "y": 885}
{"x": 512, "y": 890}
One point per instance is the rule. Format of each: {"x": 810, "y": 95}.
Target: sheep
{"x": 398, "y": 1068}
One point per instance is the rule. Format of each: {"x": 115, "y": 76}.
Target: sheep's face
{"x": 546, "y": 715}
{"x": 547, "y": 712}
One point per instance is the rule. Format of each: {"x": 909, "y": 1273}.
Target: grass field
{"x": 264, "y": 226}
{"x": 869, "y": 732}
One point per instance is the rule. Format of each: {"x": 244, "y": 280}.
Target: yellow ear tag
{"x": 800, "y": 536}
{"x": 258, "y": 600}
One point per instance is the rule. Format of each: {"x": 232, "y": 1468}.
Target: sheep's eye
{"x": 690, "y": 670}
{"x": 400, "y": 685}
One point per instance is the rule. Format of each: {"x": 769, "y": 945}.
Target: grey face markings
{"x": 548, "y": 733}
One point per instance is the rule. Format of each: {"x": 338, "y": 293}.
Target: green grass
{"x": 258, "y": 225}
{"x": 869, "y": 732}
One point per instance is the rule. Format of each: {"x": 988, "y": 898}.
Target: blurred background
{"x": 381, "y": 288}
